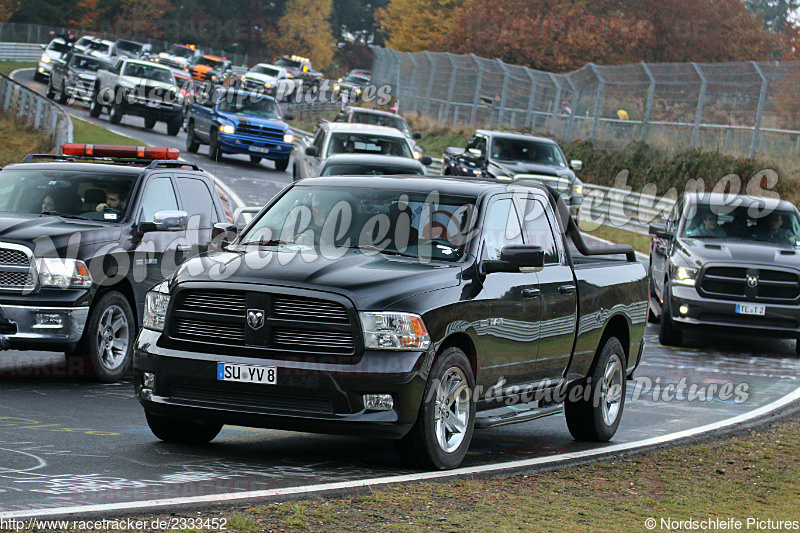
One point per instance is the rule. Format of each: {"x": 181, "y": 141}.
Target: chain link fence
{"x": 744, "y": 109}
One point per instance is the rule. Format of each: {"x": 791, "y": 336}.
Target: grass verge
{"x": 640, "y": 243}
{"x": 86, "y": 132}
{"x": 17, "y": 141}
{"x": 752, "y": 475}
{"x": 7, "y": 67}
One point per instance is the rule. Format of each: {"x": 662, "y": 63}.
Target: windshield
{"x": 249, "y": 105}
{"x": 269, "y": 71}
{"x": 419, "y": 224}
{"x": 88, "y": 195}
{"x": 181, "y": 51}
{"x": 392, "y": 121}
{"x": 88, "y": 63}
{"x": 130, "y": 46}
{"x": 543, "y": 153}
{"x": 706, "y": 221}
{"x": 98, "y": 47}
{"x": 362, "y": 143}
{"x": 207, "y": 61}
{"x": 356, "y": 80}
{"x": 150, "y": 72}
{"x": 287, "y": 63}
{"x": 366, "y": 169}
{"x": 59, "y": 47}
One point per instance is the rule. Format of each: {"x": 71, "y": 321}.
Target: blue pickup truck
{"x": 240, "y": 122}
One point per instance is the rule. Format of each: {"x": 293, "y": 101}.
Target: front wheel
{"x": 181, "y": 430}
{"x": 109, "y": 337}
{"x": 442, "y": 433}
{"x": 255, "y": 159}
{"x": 192, "y": 144}
{"x": 96, "y": 107}
{"x": 214, "y": 152}
{"x": 594, "y": 415}
{"x": 50, "y": 91}
{"x": 668, "y": 333}
{"x": 149, "y": 122}
{"x": 115, "y": 115}
{"x": 281, "y": 164}
{"x": 174, "y": 125}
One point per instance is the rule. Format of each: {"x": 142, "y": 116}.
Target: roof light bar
{"x": 111, "y": 150}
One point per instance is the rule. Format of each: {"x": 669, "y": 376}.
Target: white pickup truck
{"x": 141, "y": 88}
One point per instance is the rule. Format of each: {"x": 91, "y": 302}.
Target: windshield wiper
{"x": 383, "y": 250}
{"x": 63, "y": 215}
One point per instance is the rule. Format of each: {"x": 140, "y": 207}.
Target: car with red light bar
{"x": 84, "y": 235}
{"x": 413, "y": 308}
{"x": 140, "y": 88}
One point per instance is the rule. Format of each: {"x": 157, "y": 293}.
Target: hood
{"x": 55, "y": 232}
{"x": 372, "y": 282}
{"x": 202, "y": 68}
{"x": 264, "y": 78}
{"x": 702, "y": 251}
{"x": 520, "y": 167}
{"x": 254, "y": 120}
{"x": 176, "y": 59}
{"x": 148, "y": 84}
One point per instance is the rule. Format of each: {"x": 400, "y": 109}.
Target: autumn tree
{"x": 8, "y": 8}
{"x": 415, "y": 25}
{"x": 777, "y": 14}
{"x": 305, "y": 30}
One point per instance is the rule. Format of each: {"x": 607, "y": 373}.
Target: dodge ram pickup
{"x": 415, "y": 308}
{"x": 512, "y": 156}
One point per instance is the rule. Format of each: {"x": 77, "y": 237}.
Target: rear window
{"x": 358, "y": 143}
{"x": 361, "y": 169}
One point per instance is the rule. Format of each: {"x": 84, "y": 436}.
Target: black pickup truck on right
{"x": 720, "y": 262}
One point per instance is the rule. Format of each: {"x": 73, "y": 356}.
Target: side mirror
{"x": 288, "y": 116}
{"x": 474, "y": 152}
{"x": 426, "y": 160}
{"x": 576, "y": 164}
{"x": 516, "y": 258}
{"x": 416, "y": 135}
{"x": 659, "y": 229}
{"x": 166, "y": 221}
{"x": 43, "y": 47}
{"x": 312, "y": 151}
{"x": 222, "y": 234}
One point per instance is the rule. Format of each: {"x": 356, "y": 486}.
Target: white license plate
{"x": 259, "y": 149}
{"x": 265, "y": 375}
{"x": 151, "y": 104}
{"x": 759, "y": 310}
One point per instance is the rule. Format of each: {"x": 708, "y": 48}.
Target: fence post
{"x": 397, "y": 73}
{"x": 430, "y": 83}
{"x": 648, "y": 109}
{"x": 556, "y": 103}
{"x": 477, "y": 98}
{"x": 529, "y": 114}
{"x": 761, "y": 98}
{"x": 412, "y": 85}
{"x": 575, "y": 90}
{"x": 450, "y": 88}
{"x": 503, "y": 93}
{"x": 601, "y": 89}
{"x": 701, "y": 100}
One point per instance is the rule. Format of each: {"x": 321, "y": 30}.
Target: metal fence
{"x": 20, "y": 51}
{"x": 743, "y": 109}
{"x": 35, "y": 111}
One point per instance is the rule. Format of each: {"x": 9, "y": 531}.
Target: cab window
{"x": 159, "y": 196}
{"x": 197, "y": 200}
{"x": 501, "y": 228}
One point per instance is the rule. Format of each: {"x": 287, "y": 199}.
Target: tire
{"x": 61, "y": 96}
{"x": 597, "y": 417}
{"x": 295, "y": 177}
{"x": 255, "y": 159}
{"x": 281, "y": 164}
{"x": 668, "y": 333}
{"x": 435, "y": 443}
{"x": 50, "y": 92}
{"x": 192, "y": 144}
{"x": 653, "y": 318}
{"x": 181, "y": 430}
{"x": 110, "y": 363}
{"x": 37, "y": 76}
{"x": 115, "y": 115}
{"x": 96, "y": 107}
{"x": 149, "y": 122}
{"x": 214, "y": 153}
{"x": 174, "y": 125}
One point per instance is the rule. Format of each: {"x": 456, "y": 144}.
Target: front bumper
{"x": 252, "y": 145}
{"x": 161, "y": 111}
{"x": 314, "y": 395}
{"x": 707, "y": 313}
{"x": 23, "y": 329}
{"x": 44, "y": 69}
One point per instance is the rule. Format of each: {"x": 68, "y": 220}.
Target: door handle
{"x": 531, "y": 293}
{"x": 184, "y": 248}
{"x": 566, "y": 289}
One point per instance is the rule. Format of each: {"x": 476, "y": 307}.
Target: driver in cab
{"x": 115, "y": 201}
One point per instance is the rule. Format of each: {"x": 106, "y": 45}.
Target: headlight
{"x": 63, "y": 273}
{"x": 684, "y": 276}
{"x": 336, "y": 87}
{"x": 394, "y": 331}
{"x": 267, "y": 85}
{"x": 243, "y": 78}
{"x": 417, "y": 153}
{"x": 577, "y": 188}
{"x": 358, "y": 91}
{"x": 156, "y": 302}
{"x": 288, "y": 138}
{"x": 226, "y": 128}
{"x": 289, "y": 75}
{"x": 213, "y": 77}
{"x": 45, "y": 58}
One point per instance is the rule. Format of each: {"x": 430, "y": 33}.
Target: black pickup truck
{"x": 728, "y": 263}
{"x": 445, "y": 304}
{"x": 513, "y": 156}
{"x": 82, "y": 238}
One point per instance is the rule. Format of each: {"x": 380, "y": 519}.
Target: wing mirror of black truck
{"x": 312, "y": 151}
{"x": 516, "y": 258}
{"x": 222, "y": 234}
{"x": 426, "y": 160}
{"x": 659, "y": 229}
{"x": 166, "y": 221}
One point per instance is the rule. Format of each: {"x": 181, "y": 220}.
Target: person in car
{"x": 708, "y": 227}
{"x": 771, "y": 229}
{"x": 115, "y": 201}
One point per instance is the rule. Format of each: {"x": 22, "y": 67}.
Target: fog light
{"x": 149, "y": 381}
{"x": 378, "y": 402}
{"x": 48, "y": 320}
{"x": 683, "y": 309}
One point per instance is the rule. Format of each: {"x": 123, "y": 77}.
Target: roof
{"x": 79, "y": 166}
{"x": 374, "y": 159}
{"x": 762, "y": 202}
{"x": 215, "y": 58}
{"x": 270, "y": 65}
{"x": 354, "y": 127}
{"x": 514, "y": 135}
{"x": 459, "y": 186}
{"x": 374, "y": 112}
{"x": 148, "y": 63}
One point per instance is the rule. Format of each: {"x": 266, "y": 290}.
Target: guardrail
{"x": 35, "y": 111}
{"x": 619, "y": 208}
{"x": 20, "y": 51}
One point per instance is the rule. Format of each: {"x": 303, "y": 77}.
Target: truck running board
{"x": 516, "y": 417}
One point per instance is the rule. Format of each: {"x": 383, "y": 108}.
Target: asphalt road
{"x": 66, "y": 441}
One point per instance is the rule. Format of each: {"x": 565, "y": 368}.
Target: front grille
{"x": 252, "y": 401}
{"x": 558, "y": 183}
{"x": 251, "y": 129}
{"x": 731, "y": 283}
{"x": 281, "y": 322}
{"x": 170, "y": 63}
{"x": 17, "y": 270}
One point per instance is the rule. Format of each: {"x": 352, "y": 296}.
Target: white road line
{"x": 422, "y": 476}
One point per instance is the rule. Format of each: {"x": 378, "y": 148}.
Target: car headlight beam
{"x": 227, "y": 128}
{"x": 684, "y": 276}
